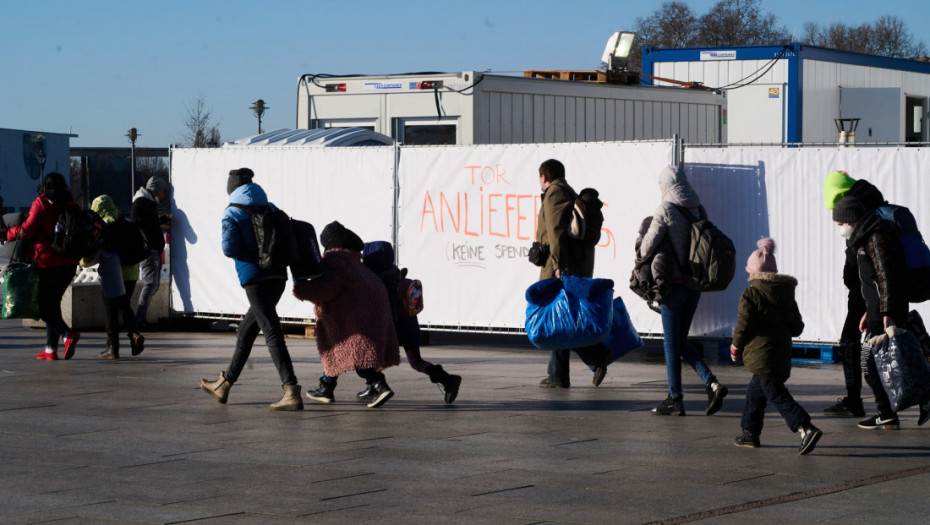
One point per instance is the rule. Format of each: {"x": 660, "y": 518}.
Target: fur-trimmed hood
{"x": 775, "y": 288}
{"x": 773, "y": 277}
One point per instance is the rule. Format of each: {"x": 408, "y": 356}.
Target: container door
{"x": 878, "y": 110}
{"x": 756, "y": 114}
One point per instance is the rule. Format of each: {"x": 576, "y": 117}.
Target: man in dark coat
{"x": 144, "y": 213}
{"x": 566, "y": 255}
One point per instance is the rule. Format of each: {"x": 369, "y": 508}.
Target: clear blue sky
{"x": 96, "y": 68}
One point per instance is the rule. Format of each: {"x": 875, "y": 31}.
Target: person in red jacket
{"x": 55, "y": 271}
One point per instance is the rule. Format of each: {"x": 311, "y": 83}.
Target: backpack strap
{"x": 248, "y": 209}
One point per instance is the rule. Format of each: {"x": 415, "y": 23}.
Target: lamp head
{"x": 259, "y": 107}
{"x": 617, "y": 53}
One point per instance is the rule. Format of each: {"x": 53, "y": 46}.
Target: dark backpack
{"x": 916, "y": 252}
{"x": 76, "y": 232}
{"x": 712, "y": 256}
{"x": 126, "y": 239}
{"x": 274, "y": 236}
{"x": 587, "y": 218}
{"x": 307, "y": 262}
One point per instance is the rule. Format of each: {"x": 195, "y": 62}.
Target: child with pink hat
{"x": 767, "y": 320}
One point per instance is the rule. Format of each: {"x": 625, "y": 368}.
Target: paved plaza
{"x": 136, "y": 441}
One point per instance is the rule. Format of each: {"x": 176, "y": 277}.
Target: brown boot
{"x": 109, "y": 353}
{"x": 219, "y": 389}
{"x": 291, "y": 399}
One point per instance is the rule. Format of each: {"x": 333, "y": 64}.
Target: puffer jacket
{"x": 882, "y": 268}
{"x": 552, "y": 223}
{"x": 239, "y": 235}
{"x": 354, "y": 329}
{"x": 39, "y": 227}
{"x": 668, "y": 222}
{"x": 767, "y": 320}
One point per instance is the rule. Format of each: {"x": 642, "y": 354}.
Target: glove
{"x": 735, "y": 353}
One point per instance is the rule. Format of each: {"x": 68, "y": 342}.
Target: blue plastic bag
{"x": 570, "y": 312}
{"x": 623, "y": 337}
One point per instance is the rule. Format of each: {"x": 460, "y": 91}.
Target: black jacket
{"x": 872, "y": 198}
{"x": 882, "y": 269}
{"x": 144, "y": 213}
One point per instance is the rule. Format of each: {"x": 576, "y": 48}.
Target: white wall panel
{"x": 318, "y": 185}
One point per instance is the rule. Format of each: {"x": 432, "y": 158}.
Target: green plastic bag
{"x": 20, "y": 289}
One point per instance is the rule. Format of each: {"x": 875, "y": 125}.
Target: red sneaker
{"x": 43, "y": 355}
{"x": 70, "y": 342}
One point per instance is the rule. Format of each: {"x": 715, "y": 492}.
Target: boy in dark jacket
{"x": 378, "y": 256}
{"x": 263, "y": 289}
{"x": 768, "y": 318}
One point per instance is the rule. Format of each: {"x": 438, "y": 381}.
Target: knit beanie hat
{"x": 335, "y": 235}
{"x": 669, "y": 176}
{"x": 763, "y": 259}
{"x": 156, "y": 185}
{"x": 849, "y": 210}
{"x": 835, "y": 187}
{"x": 238, "y": 178}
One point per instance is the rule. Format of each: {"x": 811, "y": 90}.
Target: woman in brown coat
{"x": 768, "y": 319}
{"x": 354, "y": 329}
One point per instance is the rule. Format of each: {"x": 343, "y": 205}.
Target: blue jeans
{"x": 677, "y": 312}
{"x": 262, "y": 316}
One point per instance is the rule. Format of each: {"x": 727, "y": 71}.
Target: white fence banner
{"x": 468, "y": 218}
{"x": 313, "y": 184}
{"x": 778, "y": 192}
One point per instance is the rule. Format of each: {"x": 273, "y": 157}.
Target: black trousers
{"x": 759, "y": 393}
{"x": 113, "y": 308}
{"x": 53, "y": 282}
{"x": 262, "y": 317}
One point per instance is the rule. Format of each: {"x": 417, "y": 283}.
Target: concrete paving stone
{"x": 89, "y": 441}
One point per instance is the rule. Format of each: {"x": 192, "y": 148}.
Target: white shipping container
{"x": 478, "y": 108}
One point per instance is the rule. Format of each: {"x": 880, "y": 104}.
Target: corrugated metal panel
{"x": 821, "y": 84}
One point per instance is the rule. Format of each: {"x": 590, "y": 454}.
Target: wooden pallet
{"x": 307, "y": 331}
{"x": 586, "y": 75}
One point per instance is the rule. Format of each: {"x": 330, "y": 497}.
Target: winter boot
{"x": 448, "y": 383}
{"x": 290, "y": 400}
{"x": 219, "y": 389}
{"x": 111, "y": 352}
{"x": 365, "y": 396}
{"x": 382, "y": 392}
{"x": 324, "y": 394}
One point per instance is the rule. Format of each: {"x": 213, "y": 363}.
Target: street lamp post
{"x": 133, "y": 134}
{"x": 38, "y": 147}
{"x": 259, "y": 108}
